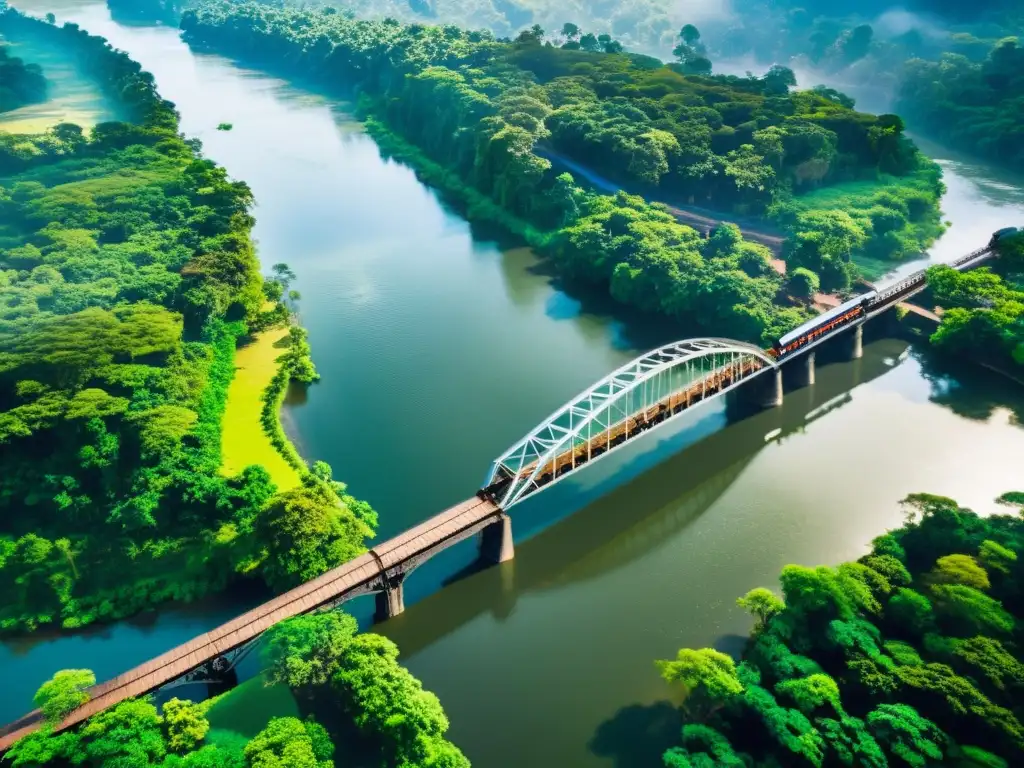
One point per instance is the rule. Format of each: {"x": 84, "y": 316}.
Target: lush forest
{"x": 127, "y": 275}
{"x": 984, "y": 317}
{"x": 950, "y": 68}
{"x": 358, "y": 706}
{"x": 20, "y": 83}
{"x": 908, "y": 657}
{"x": 976, "y": 106}
{"x": 485, "y": 115}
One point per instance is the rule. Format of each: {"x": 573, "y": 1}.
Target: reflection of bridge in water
{"x": 643, "y": 395}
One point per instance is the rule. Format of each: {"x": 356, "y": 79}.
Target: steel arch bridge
{"x": 639, "y": 396}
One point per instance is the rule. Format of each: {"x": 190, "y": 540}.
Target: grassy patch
{"x": 244, "y": 441}
{"x": 244, "y": 711}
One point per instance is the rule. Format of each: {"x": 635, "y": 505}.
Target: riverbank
{"x": 245, "y": 441}
{"x": 475, "y": 205}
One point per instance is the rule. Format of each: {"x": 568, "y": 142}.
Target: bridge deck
{"x": 331, "y": 587}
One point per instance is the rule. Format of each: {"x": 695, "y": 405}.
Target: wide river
{"x": 439, "y": 346}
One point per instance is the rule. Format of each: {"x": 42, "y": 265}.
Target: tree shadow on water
{"x": 638, "y": 734}
{"x": 731, "y": 644}
{"x": 969, "y": 390}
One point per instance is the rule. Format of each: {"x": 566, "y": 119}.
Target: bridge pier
{"x": 391, "y": 601}
{"x": 803, "y": 368}
{"x": 773, "y": 395}
{"x": 496, "y": 544}
{"x": 857, "y": 348}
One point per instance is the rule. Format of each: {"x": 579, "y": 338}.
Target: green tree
{"x": 128, "y": 733}
{"x": 911, "y": 612}
{"x": 803, "y": 284}
{"x": 288, "y": 742}
{"x": 708, "y": 677}
{"x": 996, "y": 557}
{"x": 63, "y": 693}
{"x": 389, "y": 704}
{"x": 905, "y": 735}
{"x": 305, "y": 532}
{"x": 970, "y": 611}
{"x": 702, "y": 747}
{"x": 762, "y": 604}
{"x": 305, "y": 650}
{"x": 959, "y": 569}
{"x": 185, "y": 725}
{"x": 811, "y": 693}
{"x": 987, "y": 659}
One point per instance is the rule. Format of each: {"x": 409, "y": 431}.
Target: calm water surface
{"x": 439, "y": 347}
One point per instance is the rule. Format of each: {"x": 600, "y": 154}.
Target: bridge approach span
{"x": 380, "y": 571}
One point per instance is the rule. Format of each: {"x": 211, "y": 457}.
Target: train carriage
{"x": 824, "y": 323}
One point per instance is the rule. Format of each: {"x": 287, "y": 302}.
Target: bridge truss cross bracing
{"x": 638, "y": 396}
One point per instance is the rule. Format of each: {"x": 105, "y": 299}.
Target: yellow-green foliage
{"x": 244, "y": 439}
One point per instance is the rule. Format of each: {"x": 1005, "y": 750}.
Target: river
{"x": 439, "y": 346}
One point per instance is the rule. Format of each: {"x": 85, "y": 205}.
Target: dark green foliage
{"x": 390, "y": 707}
{"x": 305, "y": 531}
{"x": 984, "y": 315}
{"x": 304, "y": 651}
{"x": 400, "y": 722}
{"x": 853, "y": 669}
{"x": 905, "y": 735}
{"x": 910, "y": 613}
{"x": 20, "y": 83}
{"x": 703, "y": 747}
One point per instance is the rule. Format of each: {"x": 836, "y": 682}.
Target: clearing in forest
{"x": 244, "y": 442}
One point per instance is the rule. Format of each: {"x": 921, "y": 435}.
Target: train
{"x": 848, "y": 312}
{"x": 826, "y": 322}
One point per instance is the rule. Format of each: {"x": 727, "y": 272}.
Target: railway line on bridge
{"x": 638, "y": 397}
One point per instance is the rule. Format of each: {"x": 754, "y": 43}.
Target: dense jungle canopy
{"x": 127, "y": 275}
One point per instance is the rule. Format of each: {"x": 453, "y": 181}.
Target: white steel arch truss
{"x": 648, "y": 382}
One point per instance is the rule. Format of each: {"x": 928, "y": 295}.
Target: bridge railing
{"x": 916, "y": 280}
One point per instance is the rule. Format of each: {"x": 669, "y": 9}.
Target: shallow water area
{"x": 72, "y": 97}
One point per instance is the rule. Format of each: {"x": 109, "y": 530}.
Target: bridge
{"x": 640, "y": 396}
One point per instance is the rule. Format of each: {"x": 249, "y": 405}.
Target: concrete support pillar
{"x": 857, "y": 350}
{"x": 810, "y": 367}
{"x": 496, "y": 541}
{"x": 773, "y": 397}
{"x": 391, "y": 601}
